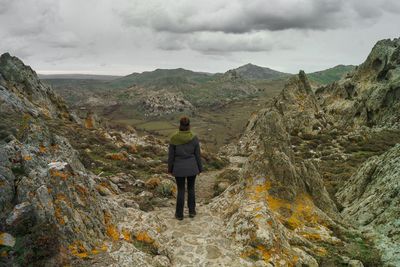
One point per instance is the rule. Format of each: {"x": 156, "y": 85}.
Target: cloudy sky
{"x": 125, "y": 36}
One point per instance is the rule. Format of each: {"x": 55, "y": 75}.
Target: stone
{"x": 166, "y": 188}
{"x": 161, "y": 261}
{"x": 104, "y": 191}
{"x": 355, "y": 263}
{"x": 7, "y": 240}
{"x": 22, "y": 218}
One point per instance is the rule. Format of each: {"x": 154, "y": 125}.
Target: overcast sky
{"x": 125, "y": 36}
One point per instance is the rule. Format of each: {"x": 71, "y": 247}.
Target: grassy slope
{"x": 330, "y": 75}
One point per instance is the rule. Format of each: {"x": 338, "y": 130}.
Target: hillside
{"x": 330, "y": 75}
{"x": 162, "y": 78}
{"x": 312, "y": 156}
{"x": 254, "y": 72}
{"x": 312, "y": 181}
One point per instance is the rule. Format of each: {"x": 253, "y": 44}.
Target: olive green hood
{"x": 182, "y": 137}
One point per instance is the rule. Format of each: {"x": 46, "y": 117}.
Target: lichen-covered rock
{"x": 22, "y": 91}
{"x": 163, "y": 102}
{"x": 370, "y": 95}
{"x": 371, "y": 198}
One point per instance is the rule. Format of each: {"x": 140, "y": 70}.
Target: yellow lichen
{"x": 78, "y": 250}
{"x": 89, "y": 122}
{"x": 27, "y": 158}
{"x": 320, "y": 251}
{"x": 116, "y": 156}
{"x": 111, "y": 230}
{"x": 42, "y": 149}
{"x": 153, "y": 182}
{"x": 144, "y": 237}
{"x": 311, "y": 236}
{"x": 59, "y": 216}
{"x": 132, "y": 148}
{"x": 59, "y": 174}
{"x": 127, "y": 235}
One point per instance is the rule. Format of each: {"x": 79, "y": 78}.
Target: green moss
{"x": 145, "y": 247}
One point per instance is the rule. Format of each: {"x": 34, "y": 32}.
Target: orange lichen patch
{"x": 42, "y": 149}
{"x": 311, "y": 236}
{"x": 89, "y": 122}
{"x": 153, "y": 182}
{"x": 49, "y": 190}
{"x": 276, "y": 255}
{"x": 27, "y": 158}
{"x": 127, "y": 235}
{"x": 78, "y": 250}
{"x": 61, "y": 197}
{"x": 111, "y": 230}
{"x": 144, "y": 237}
{"x": 320, "y": 251}
{"x": 132, "y": 148}
{"x": 276, "y": 203}
{"x": 257, "y": 192}
{"x": 82, "y": 190}
{"x": 4, "y": 254}
{"x": 266, "y": 254}
{"x": 59, "y": 216}
{"x": 59, "y": 174}
{"x": 116, "y": 156}
{"x": 302, "y": 210}
{"x": 108, "y": 186}
{"x": 104, "y": 247}
{"x": 95, "y": 251}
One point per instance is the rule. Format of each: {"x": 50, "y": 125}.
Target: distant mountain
{"x": 330, "y": 75}
{"x": 162, "y": 78}
{"x": 78, "y": 77}
{"x": 254, "y": 72}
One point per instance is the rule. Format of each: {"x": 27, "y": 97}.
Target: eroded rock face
{"x": 22, "y": 91}
{"x": 267, "y": 140}
{"x": 370, "y": 95}
{"x": 162, "y": 102}
{"x": 372, "y": 199}
{"x": 52, "y": 209}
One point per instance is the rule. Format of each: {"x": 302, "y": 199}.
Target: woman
{"x": 184, "y": 163}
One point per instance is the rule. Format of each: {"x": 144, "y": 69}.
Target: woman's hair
{"x": 184, "y": 124}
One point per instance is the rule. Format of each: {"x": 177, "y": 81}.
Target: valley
{"x": 298, "y": 171}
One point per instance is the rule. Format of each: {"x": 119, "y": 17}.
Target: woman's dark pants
{"x": 180, "y": 200}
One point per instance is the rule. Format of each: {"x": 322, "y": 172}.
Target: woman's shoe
{"x": 179, "y": 217}
{"x": 192, "y": 214}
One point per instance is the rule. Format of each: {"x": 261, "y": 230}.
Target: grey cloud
{"x": 219, "y": 42}
{"x": 240, "y": 16}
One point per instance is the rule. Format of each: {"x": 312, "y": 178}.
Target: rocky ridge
{"x": 297, "y": 150}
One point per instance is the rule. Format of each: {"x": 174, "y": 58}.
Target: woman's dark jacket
{"x": 184, "y": 155}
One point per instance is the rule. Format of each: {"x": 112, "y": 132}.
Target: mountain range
{"x": 312, "y": 180}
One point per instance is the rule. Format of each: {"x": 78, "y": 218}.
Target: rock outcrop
{"x": 303, "y": 142}
{"x": 370, "y": 94}
{"x": 53, "y": 210}
{"x": 371, "y": 198}
{"x": 162, "y": 102}
{"x": 22, "y": 91}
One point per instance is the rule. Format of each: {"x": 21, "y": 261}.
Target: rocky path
{"x": 199, "y": 241}
{"x": 205, "y": 186}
